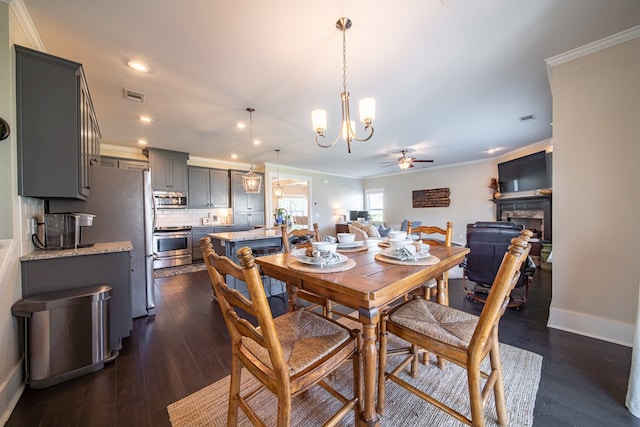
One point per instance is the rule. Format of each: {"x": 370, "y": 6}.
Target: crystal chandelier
{"x": 367, "y": 105}
{"x": 278, "y": 192}
{"x": 251, "y": 181}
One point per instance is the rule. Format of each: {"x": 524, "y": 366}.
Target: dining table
{"x": 366, "y": 282}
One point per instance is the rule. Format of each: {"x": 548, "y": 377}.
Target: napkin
{"x": 325, "y": 257}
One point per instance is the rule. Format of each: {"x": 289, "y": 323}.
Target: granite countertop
{"x": 239, "y": 236}
{"x": 98, "y": 248}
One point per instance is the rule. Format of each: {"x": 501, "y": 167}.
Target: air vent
{"x": 132, "y": 95}
{"x": 527, "y": 117}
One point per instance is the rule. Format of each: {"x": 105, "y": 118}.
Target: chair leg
{"x": 382, "y": 365}
{"x": 234, "y": 392}
{"x": 498, "y": 388}
{"x": 284, "y": 410}
{"x": 475, "y": 395}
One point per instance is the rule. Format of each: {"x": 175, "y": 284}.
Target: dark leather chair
{"x": 488, "y": 241}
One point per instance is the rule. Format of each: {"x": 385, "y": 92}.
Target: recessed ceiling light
{"x": 256, "y": 142}
{"x": 241, "y": 125}
{"x": 138, "y": 66}
{"x": 142, "y": 141}
{"x": 492, "y": 150}
{"x": 145, "y": 119}
{"x": 234, "y": 156}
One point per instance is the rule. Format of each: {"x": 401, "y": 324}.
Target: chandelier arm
{"x": 327, "y": 145}
{"x": 366, "y": 138}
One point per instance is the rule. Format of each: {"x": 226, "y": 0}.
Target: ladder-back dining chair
{"x": 288, "y": 355}
{"x": 459, "y": 337}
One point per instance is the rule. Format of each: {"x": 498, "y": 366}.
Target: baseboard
{"x": 10, "y": 391}
{"x": 592, "y": 326}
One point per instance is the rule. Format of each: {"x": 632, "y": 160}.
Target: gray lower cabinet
{"x": 57, "y": 130}
{"x": 208, "y": 188}
{"x": 168, "y": 170}
{"x": 248, "y": 208}
{"x": 61, "y": 274}
{"x": 198, "y": 233}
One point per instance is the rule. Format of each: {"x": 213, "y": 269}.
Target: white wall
{"x": 596, "y": 123}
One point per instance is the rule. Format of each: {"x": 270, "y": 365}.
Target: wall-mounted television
{"x": 532, "y": 172}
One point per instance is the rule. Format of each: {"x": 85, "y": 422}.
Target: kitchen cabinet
{"x": 42, "y": 272}
{"x": 208, "y": 188}
{"x": 168, "y": 170}
{"x": 199, "y": 232}
{"x": 57, "y": 129}
{"x": 115, "y": 162}
{"x": 248, "y": 208}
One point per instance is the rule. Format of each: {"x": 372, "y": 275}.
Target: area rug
{"x": 208, "y": 407}
{"x": 180, "y": 269}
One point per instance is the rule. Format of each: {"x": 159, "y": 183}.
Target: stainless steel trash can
{"x": 66, "y": 334}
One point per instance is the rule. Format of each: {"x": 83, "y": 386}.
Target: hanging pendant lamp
{"x": 251, "y": 181}
{"x": 278, "y": 192}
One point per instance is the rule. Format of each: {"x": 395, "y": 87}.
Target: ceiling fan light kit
{"x": 367, "y": 106}
{"x": 405, "y": 162}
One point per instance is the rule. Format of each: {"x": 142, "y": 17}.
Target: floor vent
{"x": 132, "y": 95}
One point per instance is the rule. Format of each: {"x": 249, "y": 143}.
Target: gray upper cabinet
{"x": 115, "y": 162}
{"x": 168, "y": 170}
{"x": 57, "y": 130}
{"x": 208, "y": 188}
{"x": 248, "y": 208}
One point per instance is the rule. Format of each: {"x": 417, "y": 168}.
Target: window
{"x": 295, "y": 204}
{"x": 374, "y": 203}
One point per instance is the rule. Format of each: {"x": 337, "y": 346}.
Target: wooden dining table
{"x": 367, "y": 287}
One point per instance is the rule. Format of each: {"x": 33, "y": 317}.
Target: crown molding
{"x": 588, "y": 49}
{"x": 24, "y": 19}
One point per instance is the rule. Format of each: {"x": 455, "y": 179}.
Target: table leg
{"x": 292, "y": 291}
{"x": 370, "y": 361}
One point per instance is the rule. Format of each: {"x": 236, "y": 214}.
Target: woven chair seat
{"x": 305, "y": 338}
{"x": 439, "y": 322}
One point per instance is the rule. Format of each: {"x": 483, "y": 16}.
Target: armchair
{"x": 488, "y": 241}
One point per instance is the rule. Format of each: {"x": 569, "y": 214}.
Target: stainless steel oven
{"x": 171, "y": 246}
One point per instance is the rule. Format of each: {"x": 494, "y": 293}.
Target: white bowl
{"x": 325, "y": 246}
{"x": 372, "y": 242}
{"x": 398, "y": 243}
{"x": 397, "y": 235}
{"x": 346, "y": 237}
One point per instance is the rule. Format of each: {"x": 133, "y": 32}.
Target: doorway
{"x": 296, "y": 200}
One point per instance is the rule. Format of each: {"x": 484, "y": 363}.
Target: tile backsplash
{"x": 192, "y": 217}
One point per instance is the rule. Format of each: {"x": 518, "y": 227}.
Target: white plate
{"x": 394, "y": 254}
{"x": 301, "y": 256}
{"x": 350, "y": 245}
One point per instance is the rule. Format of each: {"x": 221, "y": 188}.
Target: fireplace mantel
{"x": 529, "y": 203}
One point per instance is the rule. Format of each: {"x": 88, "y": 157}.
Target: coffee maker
{"x": 63, "y": 230}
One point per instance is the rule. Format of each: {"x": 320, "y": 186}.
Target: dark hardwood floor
{"x": 185, "y": 347}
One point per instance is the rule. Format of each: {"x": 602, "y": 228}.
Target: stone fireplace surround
{"x": 533, "y": 212}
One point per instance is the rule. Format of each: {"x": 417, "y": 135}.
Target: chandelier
{"x": 367, "y": 105}
{"x": 251, "y": 181}
{"x": 278, "y": 192}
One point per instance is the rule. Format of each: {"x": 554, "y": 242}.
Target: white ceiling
{"x": 450, "y": 77}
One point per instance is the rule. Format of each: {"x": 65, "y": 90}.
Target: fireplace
{"x": 534, "y": 213}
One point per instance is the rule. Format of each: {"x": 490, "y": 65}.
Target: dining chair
{"x": 459, "y": 337}
{"x": 296, "y": 239}
{"x": 433, "y": 236}
{"x": 288, "y": 355}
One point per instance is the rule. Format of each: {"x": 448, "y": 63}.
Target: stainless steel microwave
{"x": 170, "y": 200}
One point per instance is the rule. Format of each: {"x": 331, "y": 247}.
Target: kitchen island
{"x": 106, "y": 263}
{"x": 259, "y": 240}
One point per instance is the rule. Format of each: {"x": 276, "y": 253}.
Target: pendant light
{"x": 278, "y": 192}
{"x": 367, "y": 105}
{"x": 251, "y": 181}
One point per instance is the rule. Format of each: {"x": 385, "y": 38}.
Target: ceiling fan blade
{"x": 422, "y": 161}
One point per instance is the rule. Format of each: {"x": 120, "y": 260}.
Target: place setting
{"x": 320, "y": 257}
{"x": 346, "y": 242}
{"x": 399, "y": 249}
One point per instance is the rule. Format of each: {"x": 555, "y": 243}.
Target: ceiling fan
{"x": 406, "y": 162}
